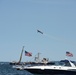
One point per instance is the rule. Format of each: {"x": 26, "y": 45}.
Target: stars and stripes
{"x": 28, "y": 53}
{"x": 69, "y": 54}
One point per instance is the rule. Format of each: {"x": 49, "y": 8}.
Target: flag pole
{"x": 21, "y": 54}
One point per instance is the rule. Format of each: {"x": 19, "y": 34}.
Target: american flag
{"x": 28, "y": 53}
{"x": 69, "y": 54}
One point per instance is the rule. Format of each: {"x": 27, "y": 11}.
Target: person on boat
{"x": 45, "y": 61}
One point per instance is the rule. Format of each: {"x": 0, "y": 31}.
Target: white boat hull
{"x": 51, "y": 70}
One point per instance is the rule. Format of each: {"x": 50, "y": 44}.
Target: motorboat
{"x": 47, "y": 67}
{"x": 65, "y": 67}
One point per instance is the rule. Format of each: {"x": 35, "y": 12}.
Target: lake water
{"x": 6, "y": 69}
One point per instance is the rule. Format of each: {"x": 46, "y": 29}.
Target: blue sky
{"x": 20, "y": 19}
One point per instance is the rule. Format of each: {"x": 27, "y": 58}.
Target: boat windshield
{"x": 58, "y": 63}
{"x": 74, "y": 62}
{"x": 65, "y": 63}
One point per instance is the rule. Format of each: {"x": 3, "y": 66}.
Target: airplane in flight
{"x": 40, "y": 31}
